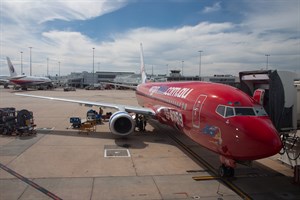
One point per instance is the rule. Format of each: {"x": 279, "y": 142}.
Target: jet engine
{"x": 121, "y": 123}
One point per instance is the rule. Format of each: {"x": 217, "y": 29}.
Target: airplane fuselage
{"x": 30, "y": 80}
{"x": 23, "y": 80}
{"x": 219, "y": 117}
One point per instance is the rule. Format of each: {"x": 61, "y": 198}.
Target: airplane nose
{"x": 261, "y": 139}
{"x": 267, "y": 138}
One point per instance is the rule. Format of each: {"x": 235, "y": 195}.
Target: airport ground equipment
{"x": 76, "y": 122}
{"x": 67, "y": 89}
{"x": 88, "y": 126}
{"x": 279, "y": 94}
{"x": 83, "y": 125}
{"x": 16, "y": 122}
{"x": 91, "y": 114}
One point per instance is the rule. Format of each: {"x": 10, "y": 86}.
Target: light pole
{"x": 200, "y": 65}
{"x": 48, "y": 67}
{"x": 58, "y": 68}
{"x": 21, "y": 62}
{"x": 152, "y": 70}
{"x": 167, "y": 69}
{"x": 93, "y": 65}
{"x": 267, "y": 55}
{"x": 30, "y": 62}
{"x": 182, "y": 67}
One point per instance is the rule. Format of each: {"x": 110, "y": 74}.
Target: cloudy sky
{"x": 233, "y": 35}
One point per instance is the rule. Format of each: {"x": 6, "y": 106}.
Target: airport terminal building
{"x": 83, "y": 79}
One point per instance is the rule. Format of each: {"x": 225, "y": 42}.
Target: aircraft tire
{"x": 230, "y": 172}
{"x": 222, "y": 171}
{"x": 226, "y": 171}
{"x": 5, "y": 131}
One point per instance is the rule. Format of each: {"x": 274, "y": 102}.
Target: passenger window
{"x": 221, "y": 110}
{"x": 229, "y": 112}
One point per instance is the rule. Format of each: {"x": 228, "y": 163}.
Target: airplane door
{"x": 197, "y": 110}
{"x": 259, "y": 96}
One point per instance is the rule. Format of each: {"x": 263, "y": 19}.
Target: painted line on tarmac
{"x": 205, "y": 178}
{"x": 29, "y": 182}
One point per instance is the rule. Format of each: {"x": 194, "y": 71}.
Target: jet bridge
{"x": 276, "y": 91}
{"x": 279, "y": 94}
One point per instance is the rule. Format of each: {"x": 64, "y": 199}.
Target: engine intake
{"x": 121, "y": 123}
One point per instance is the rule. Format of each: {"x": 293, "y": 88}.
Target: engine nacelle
{"x": 121, "y": 123}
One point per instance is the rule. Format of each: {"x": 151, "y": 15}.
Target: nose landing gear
{"x": 225, "y": 171}
{"x": 227, "y": 167}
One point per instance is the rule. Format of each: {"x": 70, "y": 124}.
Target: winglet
{"x": 11, "y": 68}
{"x": 143, "y": 73}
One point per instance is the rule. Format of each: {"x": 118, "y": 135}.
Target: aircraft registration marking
{"x": 174, "y": 116}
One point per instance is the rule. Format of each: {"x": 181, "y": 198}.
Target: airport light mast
{"x": 182, "y": 67}
{"x": 267, "y": 55}
{"x": 30, "y": 62}
{"x": 152, "y": 70}
{"x": 58, "y": 68}
{"x": 200, "y": 65}
{"x": 93, "y": 66}
{"x": 167, "y": 69}
{"x": 48, "y": 67}
{"x": 21, "y": 62}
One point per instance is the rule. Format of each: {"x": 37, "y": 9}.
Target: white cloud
{"x": 44, "y": 10}
{"x": 227, "y": 47}
{"x": 273, "y": 16}
{"x": 22, "y": 26}
{"x": 213, "y": 8}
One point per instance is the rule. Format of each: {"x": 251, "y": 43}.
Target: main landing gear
{"x": 225, "y": 171}
{"x": 140, "y": 122}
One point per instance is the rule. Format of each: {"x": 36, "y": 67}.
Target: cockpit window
{"x": 229, "y": 111}
{"x": 244, "y": 111}
{"x": 260, "y": 111}
{"x": 221, "y": 110}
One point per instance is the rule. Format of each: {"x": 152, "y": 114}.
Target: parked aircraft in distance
{"x": 219, "y": 117}
{"x": 3, "y": 79}
{"x": 26, "y": 81}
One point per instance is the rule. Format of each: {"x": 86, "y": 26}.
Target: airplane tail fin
{"x": 11, "y": 68}
{"x": 143, "y": 72}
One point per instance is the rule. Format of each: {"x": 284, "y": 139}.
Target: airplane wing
{"x": 120, "y": 84}
{"x": 127, "y": 108}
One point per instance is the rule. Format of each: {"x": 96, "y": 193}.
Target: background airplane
{"x": 4, "y": 81}
{"x": 26, "y": 81}
{"x": 219, "y": 117}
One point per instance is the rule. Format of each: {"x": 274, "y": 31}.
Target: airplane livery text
{"x": 171, "y": 91}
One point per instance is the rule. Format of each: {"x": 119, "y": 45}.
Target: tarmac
{"x": 69, "y": 164}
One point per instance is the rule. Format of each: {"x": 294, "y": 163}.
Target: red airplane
{"x": 219, "y": 117}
